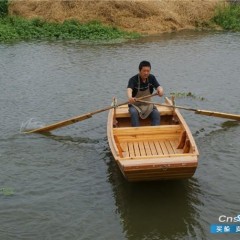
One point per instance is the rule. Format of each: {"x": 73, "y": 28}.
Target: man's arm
{"x": 129, "y": 95}
{"x": 160, "y": 91}
{"x": 157, "y": 87}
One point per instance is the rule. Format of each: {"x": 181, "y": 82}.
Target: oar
{"x": 72, "y": 120}
{"x": 199, "y": 111}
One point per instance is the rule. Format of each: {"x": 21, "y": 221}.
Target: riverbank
{"x": 19, "y": 28}
{"x": 69, "y": 20}
{"x": 142, "y": 16}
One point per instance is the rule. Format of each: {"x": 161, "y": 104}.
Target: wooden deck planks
{"x": 147, "y": 148}
{"x": 153, "y": 148}
{"x": 150, "y": 148}
{"x": 142, "y": 149}
{"x": 136, "y": 149}
{"x": 163, "y": 147}
{"x": 158, "y": 148}
{"x": 169, "y": 147}
{"x": 131, "y": 149}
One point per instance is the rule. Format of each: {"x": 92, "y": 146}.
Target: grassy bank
{"x": 13, "y": 28}
{"x": 18, "y": 28}
{"x": 3, "y": 7}
{"x": 228, "y": 17}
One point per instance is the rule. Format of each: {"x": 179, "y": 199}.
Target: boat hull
{"x": 156, "y": 172}
{"x": 151, "y": 153}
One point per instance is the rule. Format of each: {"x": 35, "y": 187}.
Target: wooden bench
{"x": 148, "y": 130}
{"x": 122, "y": 111}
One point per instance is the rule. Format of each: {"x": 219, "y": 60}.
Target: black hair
{"x": 144, "y": 64}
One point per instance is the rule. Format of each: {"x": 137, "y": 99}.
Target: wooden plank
{"x": 163, "y": 147}
{"x": 125, "y": 149}
{"x": 136, "y": 149}
{"x": 120, "y": 150}
{"x": 147, "y": 148}
{"x": 158, "y": 148}
{"x": 186, "y": 147}
{"x": 153, "y": 148}
{"x": 122, "y": 111}
{"x": 142, "y": 149}
{"x": 158, "y": 175}
{"x": 182, "y": 139}
{"x": 172, "y": 143}
{"x": 182, "y": 159}
{"x": 131, "y": 149}
{"x": 147, "y": 137}
{"x": 161, "y": 172}
{"x": 168, "y": 158}
{"x": 149, "y": 130}
{"x": 169, "y": 147}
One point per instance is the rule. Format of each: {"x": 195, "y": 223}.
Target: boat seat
{"x": 146, "y": 130}
{"x": 122, "y": 112}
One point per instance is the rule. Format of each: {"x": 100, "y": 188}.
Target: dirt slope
{"x": 144, "y": 16}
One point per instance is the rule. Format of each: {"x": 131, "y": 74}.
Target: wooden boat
{"x": 147, "y": 153}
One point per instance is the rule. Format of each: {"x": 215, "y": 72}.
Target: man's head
{"x": 144, "y": 69}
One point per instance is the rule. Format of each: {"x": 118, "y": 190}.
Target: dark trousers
{"x": 154, "y": 116}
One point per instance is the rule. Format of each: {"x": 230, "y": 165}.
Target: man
{"x": 141, "y": 85}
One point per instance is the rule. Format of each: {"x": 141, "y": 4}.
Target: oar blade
{"x": 219, "y": 114}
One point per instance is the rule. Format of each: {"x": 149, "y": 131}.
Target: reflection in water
{"x": 66, "y": 139}
{"x": 225, "y": 126}
{"x": 229, "y": 124}
{"x": 156, "y": 210}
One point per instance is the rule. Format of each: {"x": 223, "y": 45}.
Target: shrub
{"x": 228, "y": 17}
{"x": 17, "y": 28}
{"x": 3, "y": 8}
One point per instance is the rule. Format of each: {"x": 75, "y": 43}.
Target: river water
{"x": 67, "y": 186}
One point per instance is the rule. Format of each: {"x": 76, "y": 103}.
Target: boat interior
{"x": 170, "y": 138}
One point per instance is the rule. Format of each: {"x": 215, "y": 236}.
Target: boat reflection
{"x": 156, "y": 210}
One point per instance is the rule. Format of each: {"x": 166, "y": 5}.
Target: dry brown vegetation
{"x": 143, "y": 16}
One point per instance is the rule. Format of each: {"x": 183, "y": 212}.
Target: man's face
{"x": 144, "y": 72}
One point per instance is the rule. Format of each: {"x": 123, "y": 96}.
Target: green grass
{"x": 186, "y": 94}
{"x": 18, "y": 28}
{"x": 3, "y": 7}
{"x": 228, "y": 17}
{"x": 7, "y": 191}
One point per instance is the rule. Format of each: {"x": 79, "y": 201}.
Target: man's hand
{"x": 131, "y": 100}
{"x": 160, "y": 91}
